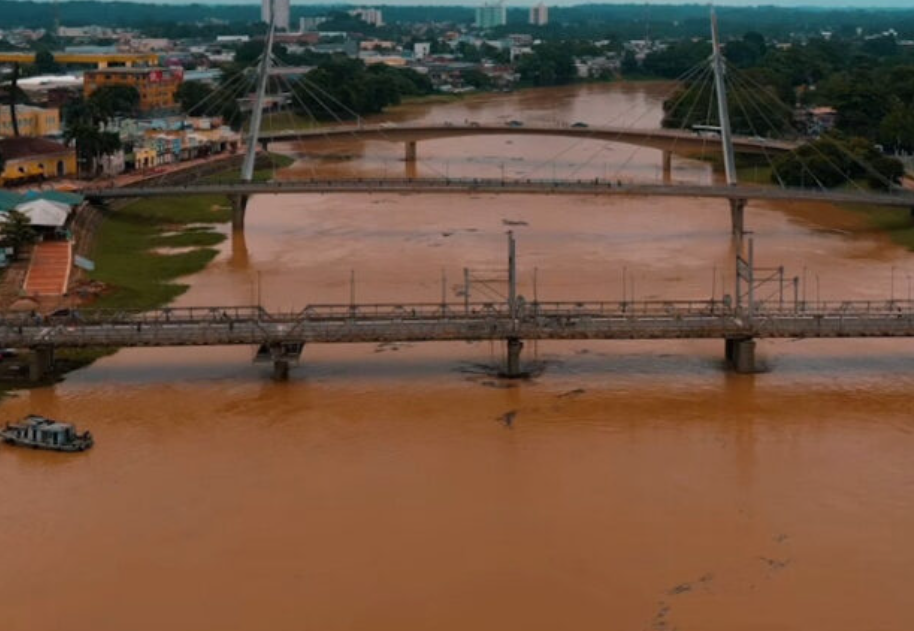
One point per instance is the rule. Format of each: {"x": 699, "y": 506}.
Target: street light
{"x": 892, "y": 288}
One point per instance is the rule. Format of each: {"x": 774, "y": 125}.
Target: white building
{"x": 491, "y": 14}
{"x": 283, "y": 12}
{"x": 371, "y": 16}
{"x": 421, "y": 50}
{"x": 539, "y": 15}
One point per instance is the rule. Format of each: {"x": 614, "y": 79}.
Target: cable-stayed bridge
{"x": 739, "y": 319}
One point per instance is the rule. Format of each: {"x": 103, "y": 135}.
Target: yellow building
{"x": 33, "y": 121}
{"x": 157, "y": 86}
{"x": 35, "y": 159}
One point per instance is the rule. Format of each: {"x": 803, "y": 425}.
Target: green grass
{"x": 897, "y": 223}
{"x": 125, "y": 256}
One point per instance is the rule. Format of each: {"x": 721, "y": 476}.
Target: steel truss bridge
{"x": 281, "y": 336}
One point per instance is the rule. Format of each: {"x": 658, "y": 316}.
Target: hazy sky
{"x": 830, "y": 4}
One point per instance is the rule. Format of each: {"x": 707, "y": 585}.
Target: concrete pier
{"x": 740, "y": 354}
{"x": 512, "y": 361}
{"x": 280, "y": 370}
{"x": 737, "y": 217}
{"x": 239, "y": 206}
{"x": 667, "y": 166}
{"x": 411, "y": 151}
{"x": 41, "y": 363}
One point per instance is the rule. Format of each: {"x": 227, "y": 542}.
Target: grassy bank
{"x": 897, "y": 223}
{"x": 129, "y": 254}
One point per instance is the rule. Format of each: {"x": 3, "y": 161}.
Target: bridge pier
{"x": 740, "y": 354}
{"x": 280, "y": 370}
{"x": 737, "y": 217}
{"x": 239, "y": 206}
{"x": 411, "y": 151}
{"x": 667, "y": 166}
{"x": 41, "y": 362}
{"x": 512, "y": 361}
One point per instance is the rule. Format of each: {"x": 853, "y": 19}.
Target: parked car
{"x": 514, "y": 124}
{"x": 580, "y": 125}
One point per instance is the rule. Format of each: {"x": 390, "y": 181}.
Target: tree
{"x": 629, "y": 63}
{"x": 83, "y": 121}
{"x": 753, "y": 111}
{"x": 834, "y": 160}
{"x": 897, "y": 128}
{"x": 548, "y": 64}
{"x": 116, "y": 100}
{"x": 677, "y": 59}
{"x": 45, "y": 63}
{"x": 193, "y": 96}
{"x": 342, "y": 88}
{"x": 476, "y": 78}
{"x": 16, "y": 231}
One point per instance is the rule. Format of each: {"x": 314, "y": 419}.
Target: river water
{"x": 639, "y": 485}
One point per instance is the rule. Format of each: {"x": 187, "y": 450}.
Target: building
{"x": 157, "y": 86}
{"x": 539, "y": 15}
{"x": 33, "y": 121}
{"x": 371, "y": 16}
{"x": 421, "y": 50}
{"x": 491, "y": 14}
{"x": 306, "y": 25}
{"x": 283, "y": 12}
{"x": 31, "y": 159}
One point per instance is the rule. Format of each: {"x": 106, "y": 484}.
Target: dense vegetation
{"x": 341, "y": 88}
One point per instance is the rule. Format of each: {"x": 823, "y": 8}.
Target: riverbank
{"x": 895, "y": 223}
{"x": 140, "y": 250}
{"x": 147, "y": 244}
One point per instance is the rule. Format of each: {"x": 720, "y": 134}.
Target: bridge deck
{"x": 899, "y": 198}
{"x": 674, "y": 140}
{"x": 217, "y": 326}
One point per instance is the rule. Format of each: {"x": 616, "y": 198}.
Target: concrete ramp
{"x": 49, "y": 270}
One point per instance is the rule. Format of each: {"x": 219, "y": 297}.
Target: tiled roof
{"x": 16, "y": 148}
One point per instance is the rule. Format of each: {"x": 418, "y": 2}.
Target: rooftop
{"x": 16, "y": 148}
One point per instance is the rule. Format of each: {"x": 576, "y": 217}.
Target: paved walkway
{"x": 49, "y": 271}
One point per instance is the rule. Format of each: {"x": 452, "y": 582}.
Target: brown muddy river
{"x": 639, "y": 486}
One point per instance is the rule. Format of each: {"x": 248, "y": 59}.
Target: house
{"x": 33, "y": 121}
{"x": 29, "y": 159}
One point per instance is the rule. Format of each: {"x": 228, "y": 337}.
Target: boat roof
{"x": 46, "y": 423}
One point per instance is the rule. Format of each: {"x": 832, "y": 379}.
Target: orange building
{"x": 157, "y": 86}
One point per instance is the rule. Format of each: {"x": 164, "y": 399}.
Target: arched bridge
{"x": 667, "y": 140}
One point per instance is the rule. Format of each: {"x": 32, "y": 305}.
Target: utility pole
{"x": 512, "y": 275}
{"x": 14, "y": 87}
{"x": 726, "y": 133}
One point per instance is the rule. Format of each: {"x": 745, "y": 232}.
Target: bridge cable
{"x": 803, "y": 163}
{"x": 839, "y": 146}
{"x": 305, "y": 83}
{"x": 837, "y": 169}
{"x": 684, "y": 77}
{"x": 699, "y": 82}
{"x": 739, "y": 100}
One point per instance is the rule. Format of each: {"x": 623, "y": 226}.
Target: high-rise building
{"x": 283, "y": 12}
{"x": 491, "y": 14}
{"x": 539, "y": 15}
{"x": 371, "y": 16}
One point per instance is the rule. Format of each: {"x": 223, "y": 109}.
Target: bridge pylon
{"x": 737, "y": 205}
{"x": 239, "y": 204}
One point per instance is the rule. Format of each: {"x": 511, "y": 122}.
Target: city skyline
{"x": 797, "y": 4}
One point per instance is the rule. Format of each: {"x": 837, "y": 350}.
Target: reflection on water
{"x": 639, "y": 485}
